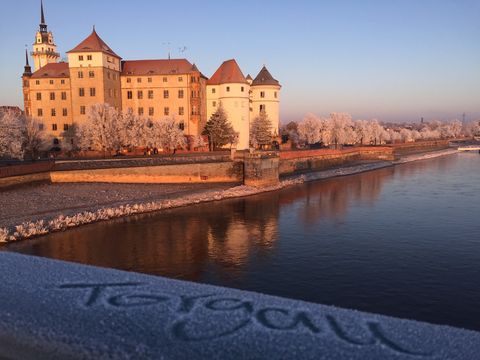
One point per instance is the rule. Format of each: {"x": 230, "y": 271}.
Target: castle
{"x": 58, "y": 94}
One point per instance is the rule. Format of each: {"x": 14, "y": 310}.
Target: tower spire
{"x": 43, "y": 26}
{"x": 27, "y": 69}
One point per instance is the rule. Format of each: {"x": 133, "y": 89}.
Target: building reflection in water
{"x": 216, "y": 239}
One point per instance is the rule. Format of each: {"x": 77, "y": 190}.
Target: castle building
{"x": 58, "y": 94}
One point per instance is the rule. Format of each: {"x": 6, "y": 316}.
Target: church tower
{"x": 44, "y": 49}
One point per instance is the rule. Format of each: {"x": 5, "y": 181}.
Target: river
{"x": 401, "y": 241}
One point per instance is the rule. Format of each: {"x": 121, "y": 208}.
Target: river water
{"x": 402, "y": 241}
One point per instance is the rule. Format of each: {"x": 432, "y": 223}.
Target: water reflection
{"x": 184, "y": 243}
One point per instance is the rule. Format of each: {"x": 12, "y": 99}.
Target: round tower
{"x": 265, "y": 96}
{"x": 229, "y": 88}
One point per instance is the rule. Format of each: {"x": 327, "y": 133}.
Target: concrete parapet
{"x": 57, "y": 310}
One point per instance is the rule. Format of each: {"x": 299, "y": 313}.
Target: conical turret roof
{"x": 265, "y": 78}
{"x": 228, "y": 72}
{"x": 94, "y": 43}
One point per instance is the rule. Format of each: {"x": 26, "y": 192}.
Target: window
{"x": 91, "y": 74}
{"x": 62, "y": 81}
{"x": 64, "y": 112}
{"x": 40, "y": 126}
{"x": 192, "y": 79}
{"x": 129, "y": 95}
{"x": 110, "y": 92}
{"x": 89, "y": 57}
{"x": 39, "y": 96}
{"x": 149, "y": 80}
{"x": 64, "y": 95}
{"x": 80, "y": 57}
{"x": 82, "y": 110}
{"x": 54, "y": 127}
{"x": 56, "y": 141}
{"x": 180, "y": 79}
{"x": 150, "y": 94}
{"x": 262, "y": 94}
{"x": 228, "y": 88}
{"x": 80, "y": 74}
{"x": 193, "y": 94}
{"x": 150, "y": 111}
{"x": 39, "y": 112}
{"x": 166, "y": 111}
{"x": 51, "y": 82}
{"x": 25, "y": 83}
{"x": 129, "y": 80}
{"x": 37, "y": 82}
{"x": 115, "y": 93}
{"x": 114, "y": 76}
{"x": 165, "y": 79}
{"x": 92, "y": 91}
{"x": 140, "y": 111}
{"x": 139, "y": 80}
{"x": 81, "y": 92}
{"x": 181, "y": 126}
{"x": 214, "y": 103}
{"x": 213, "y": 91}
{"x": 275, "y": 94}
{"x": 180, "y": 94}
{"x": 140, "y": 94}
{"x": 181, "y": 110}
{"x": 53, "y": 112}
{"x": 52, "y": 96}
{"x": 65, "y": 127}
{"x": 262, "y": 108}
{"x": 194, "y": 110}
{"x": 165, "y": 94}
{"x": 241, "y": 89}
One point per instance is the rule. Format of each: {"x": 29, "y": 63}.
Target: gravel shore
{"x": 47, "y": 201}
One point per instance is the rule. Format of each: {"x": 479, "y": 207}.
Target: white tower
{"x": 265, "y": 95}
{"x": 230, "y": 88}
{"x": 44, "y": 49}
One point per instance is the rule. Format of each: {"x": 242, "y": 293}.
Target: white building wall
{"x": 234, "y": 98}
{"x": 271, "y": 101}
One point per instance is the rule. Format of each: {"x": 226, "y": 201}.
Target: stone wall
{"x": 261, "y": 169}
{"x": 182, "y": 173}
{"x": 298, "y": 161}
{"x": 11, "y": 181}
{"x": 419, "y": 146}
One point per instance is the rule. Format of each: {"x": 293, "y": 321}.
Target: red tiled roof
{"x": 228, "y": 72}
{"x": 94, "y": 43}
{"x": 265, "y": 78}
{"x": 157, "y": 67}
{"x": 52, "y": 70}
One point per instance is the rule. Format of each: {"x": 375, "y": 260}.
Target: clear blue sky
{"x": 396, "y": 60}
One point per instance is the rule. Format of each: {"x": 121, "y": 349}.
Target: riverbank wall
{"x": 256, "y": 169}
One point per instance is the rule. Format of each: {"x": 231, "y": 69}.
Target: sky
{"x": 395, "y": 60}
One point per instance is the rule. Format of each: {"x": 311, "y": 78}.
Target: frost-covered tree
{"x": 261, "y": 130}
{"x": 167, "y": 135}
{"x": 104, "y": 129}
{"x": 11, "y": 134}
{"x": 309, "y": 129}
{"x": 340, "y": 124}
{"x": 34, "y": 138}
{"x": 219, "y": 130}
{"x": 198, "y": 142}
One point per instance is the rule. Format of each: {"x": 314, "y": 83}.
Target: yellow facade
{"x": 58, "y": 94}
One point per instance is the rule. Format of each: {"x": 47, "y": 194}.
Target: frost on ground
{"x": 425, "y": 156}
{"x": 29, "y": 229}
